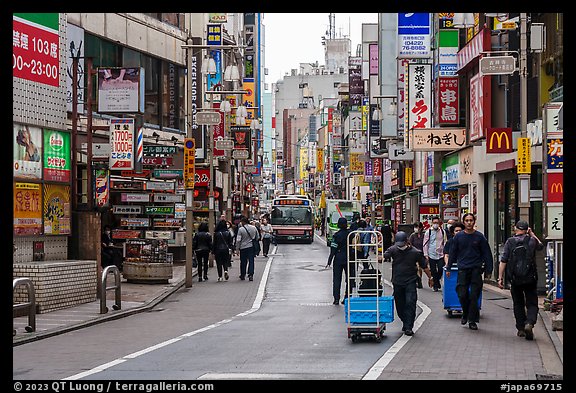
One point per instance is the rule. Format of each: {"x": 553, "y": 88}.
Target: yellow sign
{"x": 189, "y": 162}
{"x": 319, "y": 160}
{"x": 408, "y": 177}
{"x": 355, "y": 164}
{"x": 524, "y": 158}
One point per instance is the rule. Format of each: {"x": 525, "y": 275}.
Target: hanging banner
{"x": 27, "y": 209}
{"x": 479, "y": 106}
{"x": 419, "y": 96}
{"x": 57, "y": 215}
{"x": 102, "y": 189}
{"x": 121, "y": 144}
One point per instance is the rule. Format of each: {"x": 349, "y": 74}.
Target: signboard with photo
{"x": 27, "y": 151}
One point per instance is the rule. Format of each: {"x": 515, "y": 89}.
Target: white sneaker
{"x": 219, "y": 279}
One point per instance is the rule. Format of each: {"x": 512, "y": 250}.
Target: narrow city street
{"x": 290, "y": 330}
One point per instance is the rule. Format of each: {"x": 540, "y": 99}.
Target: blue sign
{"x": 414, "y": 35}
{"x": 337, "y": 165}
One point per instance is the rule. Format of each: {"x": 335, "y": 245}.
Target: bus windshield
{"x": 291, "y": 215}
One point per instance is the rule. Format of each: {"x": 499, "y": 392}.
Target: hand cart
{"x": 450, "y": 296}
{"x": 366, "y": 311}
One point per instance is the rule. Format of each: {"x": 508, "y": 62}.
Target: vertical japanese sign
{"x": 121, "y": 144}
{"x": 319, "y": 160}
{"x": 413, "y": 35}
{"x": 249, "y": 98}
{"x": 356, "y": 84}
{"x": 56, "y": 209}
{"x": 555, "y": 222}
{"x": 102, "y": 189}
{"x": 35, "y": 47}
{"x": 419, "y": 96}
{"x": 373, "y": 61}
{"x": 214, "y": 37}
{"x": 401, "y": 101}
{"x": 27, "y": 209}
{"x": 448, "y": 106}
{"x": 189, "y": 162}
{"x": 448, "y": 48}
{"x": 27, "y": 151}
{"x": 219, "y": 132}
{"x": 57, "y": 156}
{"x": 476, "y": 108}
{"x": 524, "y": 159}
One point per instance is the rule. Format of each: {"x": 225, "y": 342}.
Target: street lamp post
{"x": 523, "y": 179}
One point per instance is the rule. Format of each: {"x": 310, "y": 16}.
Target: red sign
{"x": 35, "y": 54}
{"x": 202, "y": 177}
{"x": 145, "y": 173}
{"x": 499, "y": 140}
{"x": 555, "y": 187}
{"x": 448, "y": 101}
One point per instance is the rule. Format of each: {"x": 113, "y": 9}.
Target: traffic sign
{"x": 497, "y": 65}
{"x": 208, "y": 118}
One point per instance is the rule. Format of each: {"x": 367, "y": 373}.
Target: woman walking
{"x": 266, "y": 230}
{"x": 222, "y": 242}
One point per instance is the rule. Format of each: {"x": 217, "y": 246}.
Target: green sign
{"x": 57, "y": 164}
{"x": 50, "y": 20}
{"x": 153, "y": 210}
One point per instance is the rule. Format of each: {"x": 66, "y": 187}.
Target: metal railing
{"x": 117, "y": 286}
{"x": 30, "y": 305}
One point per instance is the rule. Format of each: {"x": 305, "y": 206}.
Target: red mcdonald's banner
{"x": 499, "y": 140}
{"x": 556, "y": 187}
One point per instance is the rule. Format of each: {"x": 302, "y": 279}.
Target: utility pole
{"x": 523, "y": 179}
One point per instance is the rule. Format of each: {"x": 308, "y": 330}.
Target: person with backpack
{"x": 471, "y": 253}
{"x": 433, "y": 247}
{"x": 518, "y": 265}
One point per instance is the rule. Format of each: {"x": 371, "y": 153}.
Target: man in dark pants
{"x": 338, "y": 254}
{"x": 470, "y": 251}
{"x": 404, "y": 278}
{"x": 524, "y": 293}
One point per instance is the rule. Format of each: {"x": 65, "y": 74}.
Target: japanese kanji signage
{"x": 448, "y": 101}
{"x": 437, "y": 139}
{"x": 419, "y": 96}
{"x": 189, "y": 162}
{"x": 524, "y": 159}
{"x": 121, "y": 143}
{"x": 56, "y": 156}
{"x": 555, "y": 153}
{"x": 35, "y": 47}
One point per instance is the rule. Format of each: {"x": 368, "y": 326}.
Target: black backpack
{"x": 521, "y": 268}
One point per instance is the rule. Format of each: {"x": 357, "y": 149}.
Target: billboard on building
{"x": 27, "y": 148}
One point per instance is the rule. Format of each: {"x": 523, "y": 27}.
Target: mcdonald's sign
{"x": 555, "y": 187}
{"x": 499, "y": 140}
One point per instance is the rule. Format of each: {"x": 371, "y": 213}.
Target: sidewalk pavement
{"x": 143, "y": 297}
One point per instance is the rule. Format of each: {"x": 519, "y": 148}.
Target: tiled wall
{"x": 57, "y": 284}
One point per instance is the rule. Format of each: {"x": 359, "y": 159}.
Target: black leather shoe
{"x": 408, "y": 332}
{"x": 342, "y": 302}
{"x": 241, "y": 278}
{"x": 463, "y": 321}
{"x": 473, "y": 326}
{"x": 199, "y": 279}
{"x": 250, "y": 278}
{"x": 335, "y": 302}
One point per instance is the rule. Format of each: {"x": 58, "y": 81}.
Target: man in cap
{"x": 339, "y": 255}
{"x": 523, "y": 289}
{"x": 405, "y": 277}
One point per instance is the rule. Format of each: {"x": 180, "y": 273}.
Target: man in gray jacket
{"x": 246, "y": 233}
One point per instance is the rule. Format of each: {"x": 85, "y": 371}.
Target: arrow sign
{"x": 208, "y": 118}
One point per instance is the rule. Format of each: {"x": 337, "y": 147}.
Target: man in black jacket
{"x": 405, "y": 277}
{"x": 338, "y": 254}
{"x": 524, "y": 292}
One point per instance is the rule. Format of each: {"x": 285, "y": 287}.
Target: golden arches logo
{"x": 499, "y": 136}
{"x": 556, "y": 188}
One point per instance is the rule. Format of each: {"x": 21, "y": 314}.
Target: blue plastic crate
{"x": 449, "y": 295}
{"x": 363, "y": 309}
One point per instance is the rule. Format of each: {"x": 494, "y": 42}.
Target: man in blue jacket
{"x": 470, "y": 251}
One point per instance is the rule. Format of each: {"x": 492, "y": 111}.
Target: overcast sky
{"x": 296, "y": 38}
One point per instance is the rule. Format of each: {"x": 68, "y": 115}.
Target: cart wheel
{"x": 29, "y": 329}
{"x": 378, "y": 337}
{"x": 354, "y": 338}
{"x": 450, "y": 312}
